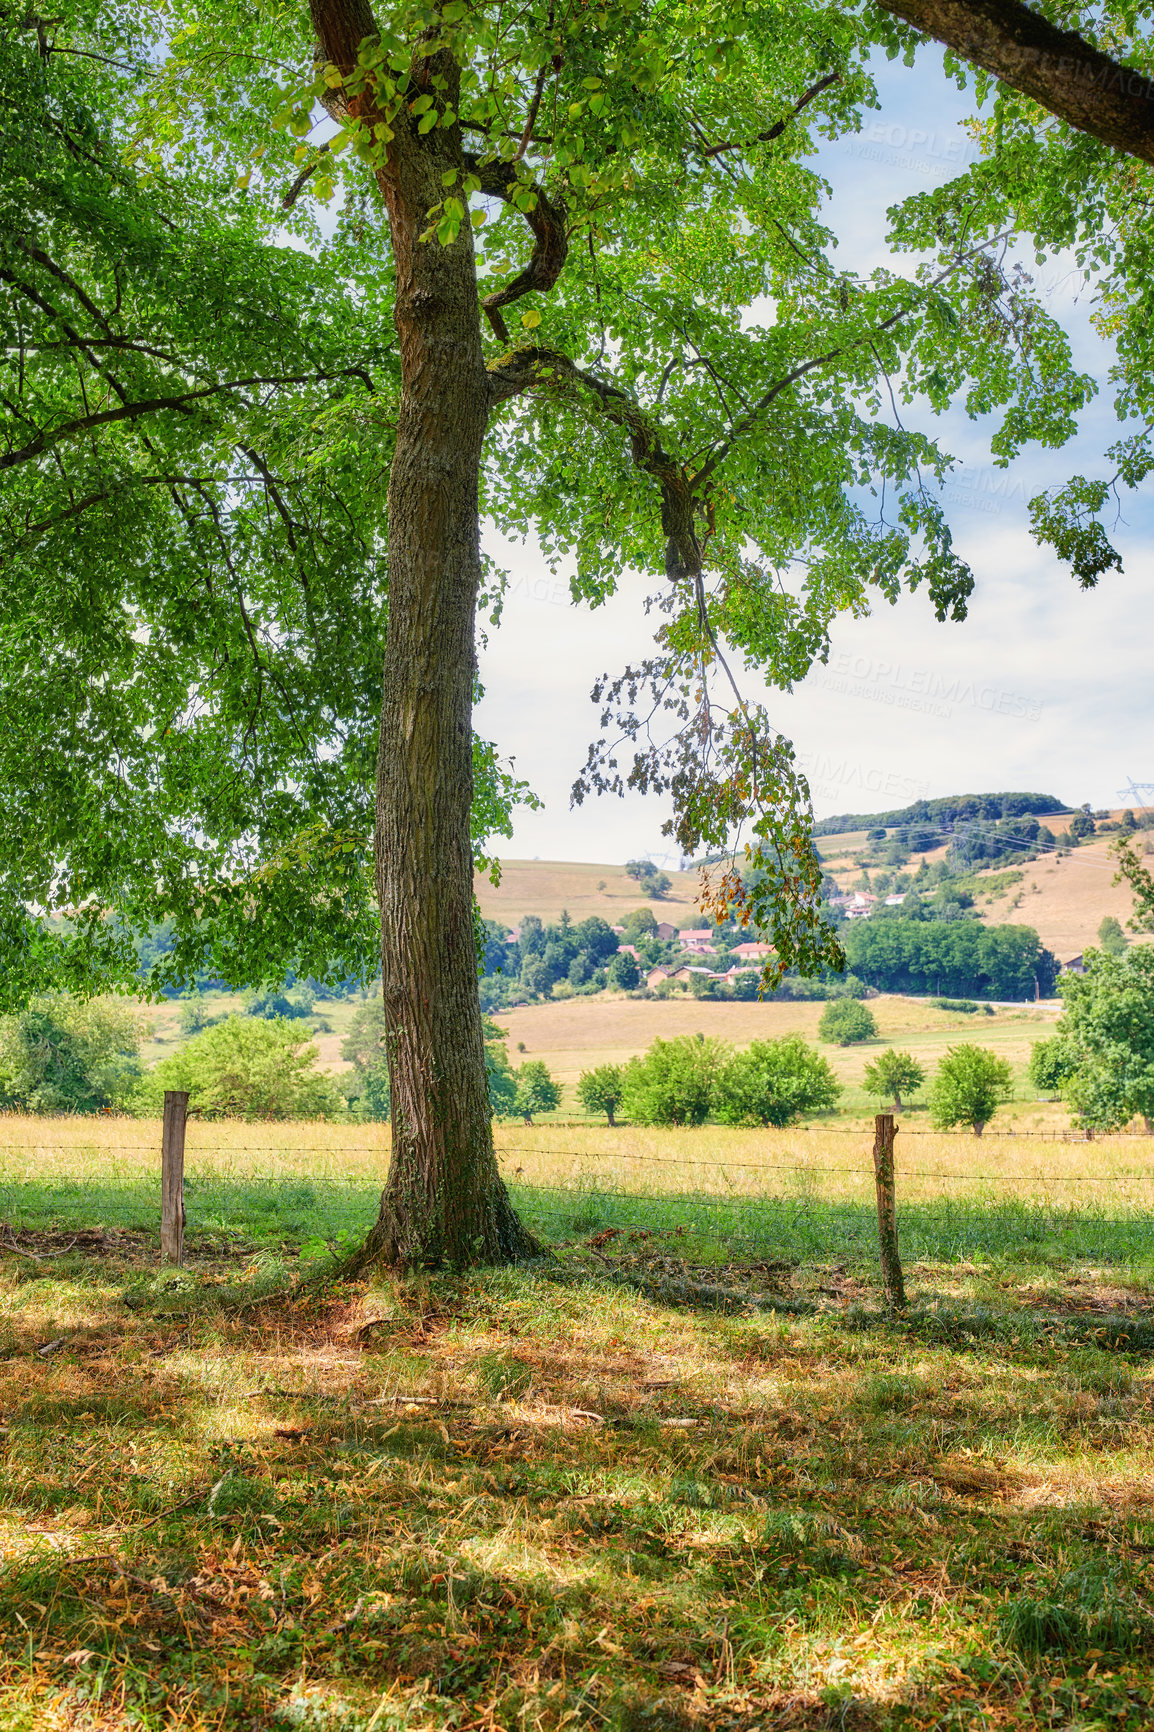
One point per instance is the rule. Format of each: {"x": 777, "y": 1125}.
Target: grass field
{"x": 577, "y": 1034}
{"x": 547, "y": 887}
{"x": 683, "y": 1473}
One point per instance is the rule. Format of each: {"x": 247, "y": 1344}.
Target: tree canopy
{"x": 1107, "y": 1037}
{"x": 216, "y": 402}
{"x": 194, "y": 589}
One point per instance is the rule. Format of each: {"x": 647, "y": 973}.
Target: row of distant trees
{"x": 67, "y": 1055}
{"x": 692, "y": 1080}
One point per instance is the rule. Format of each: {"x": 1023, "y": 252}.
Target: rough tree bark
{"x": 1057, "y": 68}
{"x": 444, "y": 1202}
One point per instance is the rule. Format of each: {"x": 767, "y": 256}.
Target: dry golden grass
{"x": 1065, "y": 898}
{"x": 714, "y": 1160}
{"x": 547, "y": 887}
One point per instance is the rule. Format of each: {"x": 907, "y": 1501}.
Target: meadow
{"x": 577, "y": 1034}
{"x": 682, "y": 1472}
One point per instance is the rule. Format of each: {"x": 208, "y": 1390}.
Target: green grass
{"x": 269, "y": 1213}
{"x": 603, "y": 1507}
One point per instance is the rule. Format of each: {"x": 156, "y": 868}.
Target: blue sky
{"x": 1044, "y": 687}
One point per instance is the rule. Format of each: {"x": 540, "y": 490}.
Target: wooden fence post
{"x": 884, "y": 1133}
{"x": 172, "y": 1177}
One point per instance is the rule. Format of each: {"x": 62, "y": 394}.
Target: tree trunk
{"x": 898, "y": 1108}
{"x": 444, "y": 1202}
{"x": 979, "y": 1127}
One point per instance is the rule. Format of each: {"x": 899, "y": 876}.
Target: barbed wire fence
{"x": 728, "y": 1207}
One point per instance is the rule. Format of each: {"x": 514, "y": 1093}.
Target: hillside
{"x": 1063, "y": 898}
{"x": 547, "y": 887}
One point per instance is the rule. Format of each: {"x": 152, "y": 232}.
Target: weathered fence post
{"x": 172, "y": 1177}
{"x": 884, "y": 1133}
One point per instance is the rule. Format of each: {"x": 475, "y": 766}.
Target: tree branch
{"x": 1056, "y": 68}
{"x": 550, "y": 239}
{"x": 154, "y": 405}
{"x": 779, "y": 126}
{"x": 532, "y": 368}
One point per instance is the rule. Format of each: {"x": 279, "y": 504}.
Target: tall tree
{"x": 689, "y": 385}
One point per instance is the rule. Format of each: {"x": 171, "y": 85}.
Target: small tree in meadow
{"x": 892, "y": 1075}
{"x": 599, "y": 1091}
{"x": 845, "y": 1022}
{"x": 536, "y": 1090}
{"x": 773, "y": 1082}
{"x": 194, "y": 1014}
{"x": 246, "y": 1068}
{"x": 673, "y": 1083}
{"x": 971, "y": 1084}
{"x": 1111, "y": 936}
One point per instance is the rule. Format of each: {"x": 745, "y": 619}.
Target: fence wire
{"x": 736, "y": 1213}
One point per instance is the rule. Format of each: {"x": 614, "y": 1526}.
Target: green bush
{"x": 69, "y": 1055}
{"x": 970, "y": 1084}
{"x": 599, "y": 1091}
{"x": 246, "y": 1068}
{"x": 194, "y": 1015}
{"x": 1051, "y": 1062}
{"x": 845, "y": 1022}
{"x": 772, "y": 1082}
{"x": 623, "y": 972}
{"x": 673, "y": 1083}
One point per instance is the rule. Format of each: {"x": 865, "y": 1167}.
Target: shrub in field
{"x": 194, "y": 1014}
{"x": 673, "y": 1083}
{"x": 535, "y": 1090}
{"x": 246, "y": 1068}
{"x": 845, "y": 1022}
{"x": 772, "y": 1082}
{"x": 68, "y": 1055}
{"x": 893, "y": 1074}
{"x": 599, "y": 1091}
{"x": 1051, "y": 1062}
{"x": 971, "y": 1083}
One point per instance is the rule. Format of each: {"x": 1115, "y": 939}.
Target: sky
{"x": 1044, "y": 687}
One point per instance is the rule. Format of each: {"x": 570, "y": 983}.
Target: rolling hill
{"x": 547, "y": 887}
{"x": 1063, "y": 898}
